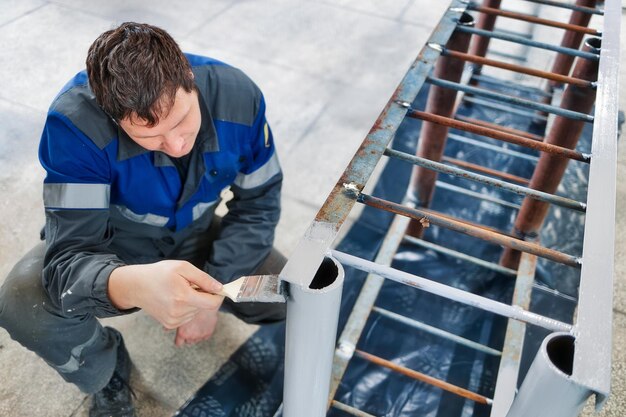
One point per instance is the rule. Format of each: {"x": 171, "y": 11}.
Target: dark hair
{"x": 137, "y": 68}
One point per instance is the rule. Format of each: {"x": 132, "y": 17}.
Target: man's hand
{"x": 163, "y": 290}
{"x": 200, "y": 328}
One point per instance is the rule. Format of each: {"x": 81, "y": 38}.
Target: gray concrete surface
{"x": 326, "y": 67}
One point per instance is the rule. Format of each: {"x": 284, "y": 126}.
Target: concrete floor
{"x": 326, "y": 67}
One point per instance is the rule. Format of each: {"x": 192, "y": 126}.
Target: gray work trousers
{"x": 79, "y": 348}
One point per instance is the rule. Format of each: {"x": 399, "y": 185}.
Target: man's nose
{"x": 174, "y": 143}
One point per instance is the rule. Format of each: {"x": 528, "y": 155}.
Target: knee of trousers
{"x": 22, "y": 293}
{"x": 77, "y": 347}
{"x": 26, "y": 311}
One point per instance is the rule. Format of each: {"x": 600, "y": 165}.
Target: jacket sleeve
{"x": 247, "y": 230}
{"x": 76, "y": 194}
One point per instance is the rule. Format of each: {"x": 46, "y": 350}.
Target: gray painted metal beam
{"x": 451, "y": 293}
{"x": 548, "y": 389}
{"x": 593, "y": 330}
{"x": 506, "y": 383}
{"x": 312, "y": 317}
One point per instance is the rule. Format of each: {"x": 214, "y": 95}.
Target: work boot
{"x": 115, "y": 400}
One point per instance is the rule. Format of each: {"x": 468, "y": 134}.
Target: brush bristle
{"x": 262, "y": 288}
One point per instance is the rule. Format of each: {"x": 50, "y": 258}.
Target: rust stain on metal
{"x": 498, "y": 127}
{"x": 534, "y": 19}
{"x": 496, "y": 134}
{"x": 424, "y": 378}
{"x": 471, "y": 230}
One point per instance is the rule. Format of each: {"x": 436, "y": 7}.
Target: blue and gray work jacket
{"x": 110, "y": 202}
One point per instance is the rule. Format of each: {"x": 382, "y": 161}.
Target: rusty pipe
{"x": 549, "y": 170}
{"x": 433, "y": 136}
{"x": 480, "y": 44}
{"x": 563, "y": 63}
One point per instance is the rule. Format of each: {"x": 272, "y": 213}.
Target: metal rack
{"x": 314, "y": 305}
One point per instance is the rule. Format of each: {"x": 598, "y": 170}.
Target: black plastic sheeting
{"x": 250, "y": 383}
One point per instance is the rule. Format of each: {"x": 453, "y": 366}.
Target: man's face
{"x": 175, "y": 133}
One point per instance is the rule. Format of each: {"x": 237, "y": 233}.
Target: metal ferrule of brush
{"x": 263, "y": 289}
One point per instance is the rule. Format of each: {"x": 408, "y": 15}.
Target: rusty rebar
{"x": 549, "y": 170}
{"x": 569, "y": 6}
{"x": 518, "y": 68}
{"x": 500, "y": 128}
{"x": 433, "y": 136}
{"x": 503, "y": 136}
{"x": 446, "y": 386}
{"x": 485, "y": 170}
{"x": 429, "y": 216}
{"x": 470, "y": 223}
{"x": 535, "y": 19}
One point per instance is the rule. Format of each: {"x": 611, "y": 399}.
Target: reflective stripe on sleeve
{"x": 260, "y": 176}
{"x": 76, "y": 196}
{"x": 148, "y": 218}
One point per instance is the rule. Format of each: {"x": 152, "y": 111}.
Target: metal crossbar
{"x": 451, "y": 293}
{"x": 514, "y": 188}
{"x": 528, "y": 42}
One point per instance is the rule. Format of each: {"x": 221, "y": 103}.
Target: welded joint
{"x": 345, "y": 350}
{"x": 352, "y": 188}
{"x": 403, "y": 104}
{"x": 436, "y": 47}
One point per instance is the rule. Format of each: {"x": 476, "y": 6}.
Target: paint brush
{"x": 255, "y": 289}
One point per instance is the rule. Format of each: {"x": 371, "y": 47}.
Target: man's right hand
{"x": 164, "y": 291}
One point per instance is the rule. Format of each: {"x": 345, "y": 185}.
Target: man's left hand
{"x": 200, "y": 328}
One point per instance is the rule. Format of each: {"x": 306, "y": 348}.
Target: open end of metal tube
{"x": 594, "y": 45}
{"x": 466, "y": 19}
{"x": 325, "y": 275}
{"x": 560, "y": 350}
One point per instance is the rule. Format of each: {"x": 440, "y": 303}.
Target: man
{"x": 137, "y": 152}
